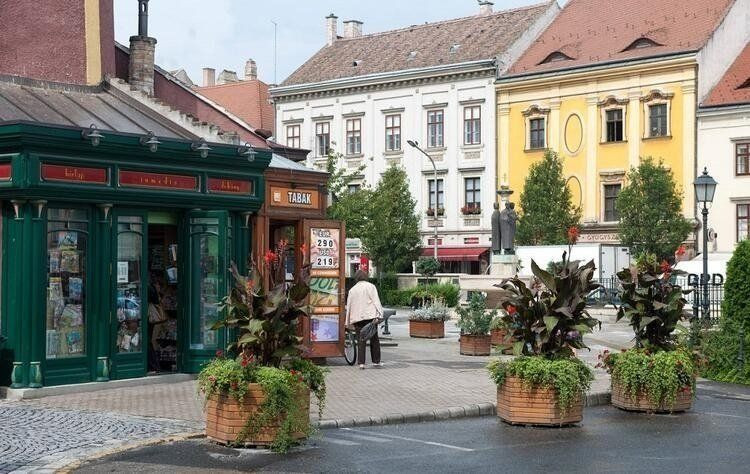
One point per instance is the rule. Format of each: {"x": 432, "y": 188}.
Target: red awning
{"x": 456, "y": 254}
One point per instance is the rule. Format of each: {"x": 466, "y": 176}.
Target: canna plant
{"x": 652, "y": 303}
{"x": 549, "y": 318}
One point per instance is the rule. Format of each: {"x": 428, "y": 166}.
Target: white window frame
{"x": 322, "y": 129}
{"x": 532, "y": 113}
{"x": 294, "y": 141}
{"x": 355, "y": 147}
{"x": 656, "y": 98}
{"x": 393, "y": 132}
{"x": 440, "y": 191}
{"x": 475, "y": 134}
{"x": 436, "y": 130}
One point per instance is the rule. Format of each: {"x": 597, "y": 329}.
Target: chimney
{"x": 251, "y": 70}
{"x": 352, "y": 29}
{"x": 142, "y": 48}
{"x": 227, "y": 77}
{"x": 485, "y": 7}
{"x": 331, "y": 26}
{"x": 209, "y": 77}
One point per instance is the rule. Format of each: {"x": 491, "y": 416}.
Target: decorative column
{"x": 634, "y": 128}
{"x": 103, "y": 363}
{"x": 688, "y": 146}
{"x": 503, "y": 144}
{"x": 554, "y": 124}
{"x": 591, "y": 180}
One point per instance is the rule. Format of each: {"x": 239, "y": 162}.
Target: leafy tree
{"x": 428, "y": 266}
{"x": 722, "y": 347}
{"x": 547, "y": 210}
{"x": 351, "y": 207}
{"x": 391, "y": 235}
{"x": 650, "y": 208}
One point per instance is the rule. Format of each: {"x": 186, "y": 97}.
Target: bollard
{"x": 387, "y": 313}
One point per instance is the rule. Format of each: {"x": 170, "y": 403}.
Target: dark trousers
{"x": 362, "y": 344}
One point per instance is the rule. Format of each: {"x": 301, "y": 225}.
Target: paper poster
{"x": 324, "y": 291}
{"x": 324, "y": 248}
{"x": 122, "y": 272}
{"x": 324, "y": 327}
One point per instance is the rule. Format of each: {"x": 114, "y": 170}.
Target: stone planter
{"x": 426, "y": 329}
{"x": 622, "y": 399}
{"x": 226, "y": 417}
{"x": 520, "y": 405}
{"x": 474, "y": 345}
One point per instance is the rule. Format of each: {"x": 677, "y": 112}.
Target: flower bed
{"x": 429, "y": 320}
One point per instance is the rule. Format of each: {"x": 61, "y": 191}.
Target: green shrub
{"x": 427, "y": 266}
{"x": 721, "y": 348}
{"x": 475, "y": 320}
{"x": 568, "y": 377}
{"x": 659, "y": 375}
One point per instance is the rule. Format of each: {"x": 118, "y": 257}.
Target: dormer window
{"x": 557, "y": 56}
{"x": 356, "y": 63}
{"x": 641, "y": 43}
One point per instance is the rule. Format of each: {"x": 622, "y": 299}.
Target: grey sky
{"x": 223, "y": 34}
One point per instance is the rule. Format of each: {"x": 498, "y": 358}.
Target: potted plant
{"x": 545, "y": 384}
{"x": 474, "y": 322}
{"x": 430, "y": 212}
{"x": 471, "y": 210}
{"x": 500, "y": 335}
{"x": 261, "y": 397}
{"x": 429, "y": 320}
{"x": 657, "y": 375}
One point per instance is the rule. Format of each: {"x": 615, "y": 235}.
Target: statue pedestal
{"x": 504, "y": 266}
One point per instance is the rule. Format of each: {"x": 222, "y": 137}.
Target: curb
{"x": 440, "y": 414}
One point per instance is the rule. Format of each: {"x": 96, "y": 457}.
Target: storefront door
{"x": 208, "y": 252}
{"x": 130, "y": 280}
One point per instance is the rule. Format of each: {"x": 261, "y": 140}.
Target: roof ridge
{"x": 444, "y": 22}
{"x": 240, "y": 82}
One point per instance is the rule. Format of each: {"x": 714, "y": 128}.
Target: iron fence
{"x": 608, "y": 294}
{"x": 706, "y": 299}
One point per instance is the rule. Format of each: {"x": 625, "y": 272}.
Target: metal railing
{"x": 711, "y": 292}
{"x": 608, "y": 294}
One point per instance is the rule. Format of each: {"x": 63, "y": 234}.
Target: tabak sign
{"x": 324, "y": 248}
{"x": 294, "y": 197}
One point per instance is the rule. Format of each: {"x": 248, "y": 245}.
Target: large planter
{"x": 623, "y": 400}
{"x": 426, "y": 328}
{"x": 497, "y": 338}
{"x": 521, "y": 405}
{"x": 226, "y": 417}
{"x": 474, "y": 345}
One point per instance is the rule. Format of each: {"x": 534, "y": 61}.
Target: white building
{"x": 367, "y": 95}
{"x": 724, "y": 149}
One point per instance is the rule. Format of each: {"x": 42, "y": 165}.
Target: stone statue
{"x": 496, "y": 239}
{"x": 508, "y": 218}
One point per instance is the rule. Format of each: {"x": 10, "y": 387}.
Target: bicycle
{"x": 350, "y": 346}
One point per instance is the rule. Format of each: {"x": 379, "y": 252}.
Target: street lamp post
{"x": 415, "y": 144}
{"x": 705, "y": 187}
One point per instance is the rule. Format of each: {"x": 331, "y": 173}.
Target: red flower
{"x": 269, "y": 257}
{"x": 665, "y": 266}
{"x": 293, "y": 372}
{"x": 511, "y": 310}
{"x": 303, "y": 249}
{"x": 244, "y": 362}
{"x": 219, "y": 353}
{"x": 573, "y": 233}
{"x": 680, "y": 251}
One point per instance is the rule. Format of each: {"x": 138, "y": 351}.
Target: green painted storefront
{"x": 78, "y": 225}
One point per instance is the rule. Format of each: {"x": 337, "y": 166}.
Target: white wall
{"x": 717, "y": 128}
{"x": 454, "y": 163}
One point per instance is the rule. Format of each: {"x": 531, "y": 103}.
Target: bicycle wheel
{"x": 350, "y": 348}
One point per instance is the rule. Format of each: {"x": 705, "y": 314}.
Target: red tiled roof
{"x": 247, "y": 100}
{"x": 734, "y": 87}
{"x": 596, "y": 31}
{"x": 479, "y": 37}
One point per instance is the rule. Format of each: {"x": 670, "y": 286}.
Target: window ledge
{"x": 437, "y": 149}
{"x": 658, "y": 137}
{"x": 393, "y": 152}
{"x": 472, "y": 147}
{"x": 618, "y": 142}
{"x": 353, "y": 157}
{"x": 534, "y": 150}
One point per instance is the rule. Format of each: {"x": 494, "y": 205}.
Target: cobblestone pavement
{"x": 417, "y": 375}
{"x": 39, "y": 439}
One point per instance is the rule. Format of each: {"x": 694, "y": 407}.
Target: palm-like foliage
{"x": 267, "y": 319}
{"x": 549, "y": 317}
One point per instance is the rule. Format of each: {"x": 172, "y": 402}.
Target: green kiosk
{"x": 115, "y": 248}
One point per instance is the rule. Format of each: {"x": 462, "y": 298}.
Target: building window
{"x": 615, "y": 125}
{"x": 743, "y": 222}
{"x": 353, "y": 188}
{"x": 292, "y": 136}
{"x": 472, "y": 193}
{"x": 657, "y": 120}
{"x": 536, "y": 133}
{"x": 742, "y": 158}
{"x": 472, "y": 125}
{"x": 392, "y": 132}
{"x": 354, "y": 136}
{"x": 435, "y": 127}
{"x": 440, "y": 194}
{"x": 322, "y": 138}
{"x": 610, "y": 202}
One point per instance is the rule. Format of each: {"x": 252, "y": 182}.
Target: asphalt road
{"x": 712, "y": 437}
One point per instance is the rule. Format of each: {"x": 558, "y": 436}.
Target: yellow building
{"x": 604, "y": 88}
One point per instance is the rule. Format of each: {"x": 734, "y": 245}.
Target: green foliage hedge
{"x": 721, "y": 348}
{"x": 447, "y": 292}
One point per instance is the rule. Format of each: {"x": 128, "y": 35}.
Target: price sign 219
{"x": 325, "y": 248}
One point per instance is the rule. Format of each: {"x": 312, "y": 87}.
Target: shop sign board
{"x": 6, "y": 171}
{"x": 230, "y": 186}
{"x": 141, "y": 179}
{"x": 74, "y": 174}
{"x": 291, "y": 197}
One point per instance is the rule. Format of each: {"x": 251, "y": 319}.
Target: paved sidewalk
{"x": 417, "y": 376}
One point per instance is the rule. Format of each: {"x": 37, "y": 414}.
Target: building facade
{"x": 605, "y": 89}
{"x": 366, "y": 96}
{"x": 724, "y": 150}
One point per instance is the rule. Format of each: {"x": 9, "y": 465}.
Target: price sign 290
{"x": 324, "y": 248}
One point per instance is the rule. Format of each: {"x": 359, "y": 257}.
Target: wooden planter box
{"x": 226, "y": 417}
{"x": 519, "y": 405}
{"x": 497, "y": 337}
{"x": 427, "y": 329}
{"x": 475, "y": 345}
{"x": 622, "y": 399}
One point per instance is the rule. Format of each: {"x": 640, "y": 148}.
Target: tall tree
{"x": 392, "y": 236}
{"x": 350, "y": 206}
{"x": 650, "y": 208}
{"x": 547, "y": 210}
